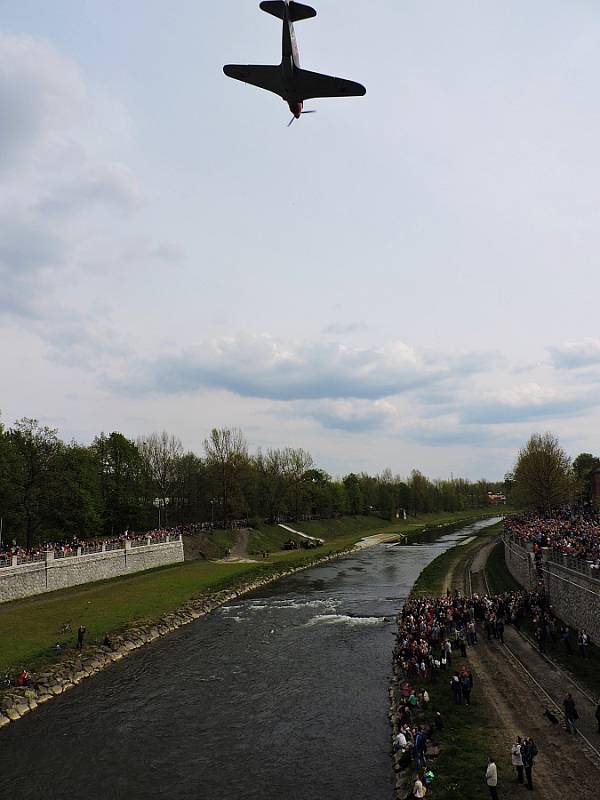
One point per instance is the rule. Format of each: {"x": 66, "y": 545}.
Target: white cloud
{"x": 573, "y": 355}
{"x": 262, "y": 366}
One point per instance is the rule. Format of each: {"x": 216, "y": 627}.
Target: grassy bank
{"x": 469, "y": 731}
{"x": 499, "y": 578}
{"x": 30, "y": 629}
{"x": 434, "y": 580}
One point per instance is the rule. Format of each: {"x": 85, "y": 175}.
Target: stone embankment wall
{"x": 572, "y": 586}
{"x": 76, "y": 666}
{"x": 49, "y": 573}
{"x": 520, "y": 562}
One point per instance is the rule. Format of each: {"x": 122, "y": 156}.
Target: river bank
{"x": 245, "y": 702}
{"x": 60, "y": 672}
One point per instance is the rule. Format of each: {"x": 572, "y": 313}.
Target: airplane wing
{"x": 313, "y": 84}
{"x": 265, "y": 77}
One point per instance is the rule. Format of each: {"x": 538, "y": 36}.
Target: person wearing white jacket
{"x": 517, "y": 759}
{"x": 491, "y": 778}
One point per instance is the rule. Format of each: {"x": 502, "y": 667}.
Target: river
{"x": 281, "y": 695}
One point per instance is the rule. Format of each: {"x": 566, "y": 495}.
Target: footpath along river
{"x": 280, "y": 695}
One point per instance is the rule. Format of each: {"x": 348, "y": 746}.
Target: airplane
{"x": 288, "y": 80}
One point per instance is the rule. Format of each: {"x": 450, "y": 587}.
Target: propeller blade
{"x": 311, "y": 111}
{"x": 290, "y": 122}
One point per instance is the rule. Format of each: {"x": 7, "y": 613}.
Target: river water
{"x": 281, "y": 695}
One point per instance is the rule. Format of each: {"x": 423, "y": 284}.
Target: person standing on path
{"x": 571, "y": 715}
{"x": 80, "y": 635}
{"x": 528, "y": 753}
{"x": 517, "y": 759}
{"x": 597, "y": 715}
{"x": 491, "y": 778}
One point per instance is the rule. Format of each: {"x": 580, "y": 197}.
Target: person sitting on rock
{"x": 24, "y": 678}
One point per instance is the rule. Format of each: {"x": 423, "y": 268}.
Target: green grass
{"x": 466, "y": 742}
{"x": 470, "y": 732}
{"x": 499, "y": 578}
{"x": 29, "y": 629}
{"x": 434, "y": 578}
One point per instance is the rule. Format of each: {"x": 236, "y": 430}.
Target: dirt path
{"x": 239, "y": 551}
{"x": 563, "y": 767}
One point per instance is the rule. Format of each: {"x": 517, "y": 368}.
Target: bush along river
{"x": 283, "y": 694}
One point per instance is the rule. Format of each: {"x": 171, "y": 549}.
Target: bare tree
{"x": 160, "y": 453}
{"x": 226, "y": 453}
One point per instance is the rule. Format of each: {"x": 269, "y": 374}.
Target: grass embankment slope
{"x": 586, "y": 671}
{"x": 30, "y": 629}
{"x": 469, "y": 731}
{"x": 447, "y": 570}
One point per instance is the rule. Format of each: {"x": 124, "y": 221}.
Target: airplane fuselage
{"x": 290, "y": 60}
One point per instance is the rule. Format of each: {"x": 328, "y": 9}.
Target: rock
{"x": 13, "y": 714}
{"x": 32, "y": 705}
{"x": 43, "y": 698}
{"x": 56, "y": 689}
{"x": 3, "y": 720}
{"x": 22, "y": 709}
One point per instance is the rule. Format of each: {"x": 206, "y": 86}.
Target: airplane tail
{"x": 296, "y": 11}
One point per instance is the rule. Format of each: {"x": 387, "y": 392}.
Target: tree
{"x": 272, "y": 468}
{"x": 159, "y": 453}
{"x": 354, "y": 494}
{"x": 298, "y": 461}
{"x": 119, "y": 465}
{"x": 75, "y": 485}
{"x": 542, "y": 474}
{"x": 35, "y": 450}
{"x": 227, "y": 456}
{"x": 583, "y": 466}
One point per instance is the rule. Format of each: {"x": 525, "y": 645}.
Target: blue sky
{"x": 408, "y": 279}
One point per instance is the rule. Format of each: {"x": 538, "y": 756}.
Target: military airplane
{"x": 288, "y": 80}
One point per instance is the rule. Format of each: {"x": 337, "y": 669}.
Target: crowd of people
{"x": 571, "y": 531}
{"x": 62, "y": 549}
{"x": 79, "y": 546}
{"x": 432, "y": 641}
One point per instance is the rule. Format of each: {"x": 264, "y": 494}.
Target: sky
{"x": 408, "y": 279}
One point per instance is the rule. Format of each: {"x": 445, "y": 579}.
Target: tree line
{"x": 544, "y": 477}
{"x": 53, "y": 490}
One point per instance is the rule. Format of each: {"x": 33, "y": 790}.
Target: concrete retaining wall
{"x": 50, "y": 574}
{"x": 520, "y": 562}
{"x": 572, "y": 586}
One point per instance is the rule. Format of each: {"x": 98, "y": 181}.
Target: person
{"x": 106, "y": 642}
{"x": 584, "y": 643}
{"x": 420, "y": 749}
{"x": 500, "y": 630}
{"x": 456, "y": 689}
{"x": 528, "y": 754}
{"x": 491, "y": 778}
{"x": 598, "y": 716}
{"x": 400, "y": 741}
{"x": 571, "y": 715}
{"x": 517, "y": 760}
{"x": 80, "y": 635}
{"x": 24, "y": 678}
{"x": 566, "y": 637}
{"x": 418, "y": 789}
